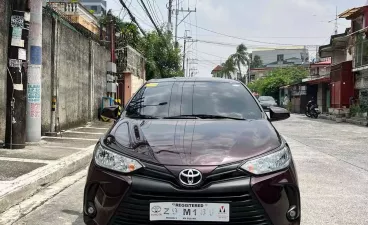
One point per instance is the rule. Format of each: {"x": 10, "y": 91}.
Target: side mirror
{"x": 111, "y": 112}
{"x": 278, "y": 113}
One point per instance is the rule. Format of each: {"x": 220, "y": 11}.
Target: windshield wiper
{"x": 207, "y": 116}
{"x": 139, "y": 116}
{"x": 182, "y": 117}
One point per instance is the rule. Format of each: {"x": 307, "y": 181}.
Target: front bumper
{"x": 253, "y": 200}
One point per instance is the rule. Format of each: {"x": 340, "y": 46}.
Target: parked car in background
{"x": 266, "y": 102}
{"x": 193, "y": 151}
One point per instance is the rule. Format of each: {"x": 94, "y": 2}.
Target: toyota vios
{"x": 193, "y": 151}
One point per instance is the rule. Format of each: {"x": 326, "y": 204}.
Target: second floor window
{"x": 280, "y": 58}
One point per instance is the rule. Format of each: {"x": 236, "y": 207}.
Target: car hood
{"x": 206, "y": 142}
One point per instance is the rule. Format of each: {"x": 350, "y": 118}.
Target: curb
{"x": 29, "y": 184}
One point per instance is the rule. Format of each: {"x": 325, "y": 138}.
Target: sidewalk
{"x": 24, "y": 172}
{"x": 351, "y": 120}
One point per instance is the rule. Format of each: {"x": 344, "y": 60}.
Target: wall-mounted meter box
{"x": 111, "y": 67}
{"x": 111, "y": 87}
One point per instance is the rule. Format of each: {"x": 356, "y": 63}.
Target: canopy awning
{"x": 318, "y": 80}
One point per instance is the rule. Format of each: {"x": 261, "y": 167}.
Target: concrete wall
{"x": 338, "y": 57}
{"x": 4, "y": 19}
{"x": 71, "y": 63}
{"x": 136, "y": 84}
{"x": 76, "y": 67}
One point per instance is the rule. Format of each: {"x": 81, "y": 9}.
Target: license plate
{"x": 181, "y": 211}
{"x": 268, "y": 114}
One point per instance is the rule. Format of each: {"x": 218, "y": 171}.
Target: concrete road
{"x": 331, "y": 159}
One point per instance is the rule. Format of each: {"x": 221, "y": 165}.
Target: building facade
{"x": 282, "y": 57}
{"x": 341, "y": 80}
{"x": 97, "y": 7}
{"x": 77, "y": 14}
{"x": 358, "y": 46}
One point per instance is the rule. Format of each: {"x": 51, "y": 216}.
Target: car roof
{"x": 201, "y": 79}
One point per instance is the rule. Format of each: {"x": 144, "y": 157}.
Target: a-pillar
{"x": 127, "y": 86}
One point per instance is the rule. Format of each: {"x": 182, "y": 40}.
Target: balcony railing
{"x": 361, "y": 52}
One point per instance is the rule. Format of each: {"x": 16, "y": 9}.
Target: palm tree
{"x": 241, "y": 57}
{"x": 228, "y": 68}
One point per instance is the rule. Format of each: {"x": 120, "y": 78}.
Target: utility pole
{"x": 185, "y": 43}
{"x": 17, "y": 75}
{"x": 177, "y": 11}
{"x": 336, "y": 26}
{"x": 186, "y": 37}
{"x": 33, "y": 121}
{"x": 169, "y": 24}
{"x": 112, "y": 35}
{"x": 187, "y": 71}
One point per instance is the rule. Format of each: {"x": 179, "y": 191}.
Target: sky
{"x": 253, "y": 22}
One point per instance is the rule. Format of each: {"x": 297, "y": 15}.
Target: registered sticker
{"x": 151, "y": 84}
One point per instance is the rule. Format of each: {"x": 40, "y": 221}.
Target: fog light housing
{"x": 292, "y": 213}
{"x": 91, "y": 209}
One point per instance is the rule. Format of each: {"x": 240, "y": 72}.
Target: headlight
{"x": 269, "y": 163}
{"x": 113, "y": 161}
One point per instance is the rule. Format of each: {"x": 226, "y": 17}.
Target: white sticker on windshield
{"x": 236, "y": 85}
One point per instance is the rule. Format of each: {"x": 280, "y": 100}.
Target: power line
{"x": 240, "y": 38}
{"x": 153, "y": 13}
{"x": 132, "y": 17}
{"x": 159, "y": 10}
{"x": 210, "y": 54}
{"x": 150, "y": 17}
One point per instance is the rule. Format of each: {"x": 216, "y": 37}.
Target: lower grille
{"x": 134, "y": 209}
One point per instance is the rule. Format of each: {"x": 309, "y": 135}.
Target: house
{"x": 318, "y": 81}
{"x": 358, "y": 46}
{"x": 341, "y": 85}
{"x": 216, "y": 71}
{"x": 257, "y": 73}
{"x": 77, "y": 14}
{"x": 97, "y": 7}
{"x": 283, "y": 56}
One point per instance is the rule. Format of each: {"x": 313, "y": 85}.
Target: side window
{"x": 151, "y": 100}
{"x": 122, "y": 135}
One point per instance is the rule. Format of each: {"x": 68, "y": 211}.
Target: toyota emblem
{"x": 190, "y": 177}
{"x": 156, "y": 209}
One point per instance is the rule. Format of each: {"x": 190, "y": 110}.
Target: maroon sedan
{"x": 193, "y": 151}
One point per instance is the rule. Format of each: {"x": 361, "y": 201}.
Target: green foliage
{"x": 240, "y": 58}
{"x": 355, "y": 110}
{"x": 277, "y": 78}
{"x": 91, "y": 11}
{"x": 256, "y": 62}
{"x": 163, "y": 60}
{"x": 228, "y": 68}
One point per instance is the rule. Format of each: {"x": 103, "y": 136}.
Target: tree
{"x": 240, "y": 58}
{"x": 162, "y": 58}
{"x": 256, "y": 62}
{"x": 228, "y": 68}
{"x": 277, "y": 78}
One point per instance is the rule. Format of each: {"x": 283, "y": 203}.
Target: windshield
{"x": 266, "y": 98}
{"x": 168, "y": 99}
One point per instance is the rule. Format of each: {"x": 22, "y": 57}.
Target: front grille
{"x": 134, "y": 209}
{"x": 221, "y": 173}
